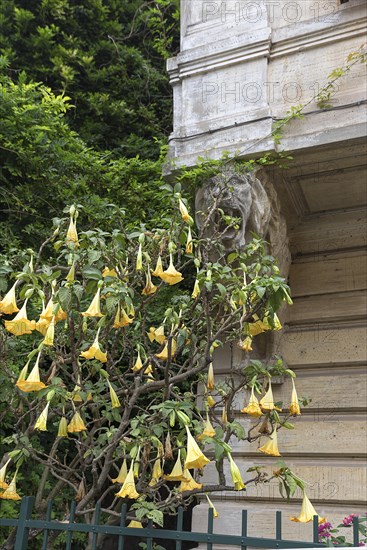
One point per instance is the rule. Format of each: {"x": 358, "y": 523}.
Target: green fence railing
{"x": 24, "y": 524}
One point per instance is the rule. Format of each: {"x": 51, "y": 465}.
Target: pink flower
{"x": 349, "y": 519}
{"x": 324, "y": 530}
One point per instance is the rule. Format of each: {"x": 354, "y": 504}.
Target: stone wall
{"x": 273, "y": 49}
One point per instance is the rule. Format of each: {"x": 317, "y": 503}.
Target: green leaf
{"x": 90, "y": 272}
{"x": 156, "y": 516}
{"x": 222, "y": 289}
{"x": 209, "y": 285}
{"x": 65, "y": 298}
{"x": 260, "y": 290}
{"x": 78, "y": 291}
{"x": 288, "y": 425}
{"x": 111, "y": 303}
{"x": 93, "y": 256}
{"x": 231, "y": 257}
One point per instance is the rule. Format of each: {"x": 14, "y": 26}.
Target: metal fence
{"x": 25, "y": 523}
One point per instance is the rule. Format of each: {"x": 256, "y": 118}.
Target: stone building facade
{"x": 242, "y": 65}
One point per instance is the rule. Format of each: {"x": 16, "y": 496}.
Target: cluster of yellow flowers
{"x": 180, "y": 472}
{"x": 255, "y": 408}
{"x": 20, "y": 324}
{"x": 8, "y": 492}
{"x": 257, "y": 327}
{"x": 52, "y": 313}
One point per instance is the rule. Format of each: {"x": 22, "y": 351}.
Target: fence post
{"x": 356, "y": 531}
{"x": 26, "y": 507}
{"x": 315, "y": 526}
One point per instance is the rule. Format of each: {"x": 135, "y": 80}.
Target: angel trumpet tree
{"x": 153, "y": 416}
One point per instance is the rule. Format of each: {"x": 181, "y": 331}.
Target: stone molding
{"x": 222, "y": 53}
{"x": 263, "y": 42}
{"x": 318, "y": 38}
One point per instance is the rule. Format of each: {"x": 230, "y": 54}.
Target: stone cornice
{"x": 222, "y": 53}
{"x": 258, "y": 44}
{"x": 318, "y": 38}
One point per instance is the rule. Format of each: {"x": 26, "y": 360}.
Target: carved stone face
{"x": 241, "y": 196}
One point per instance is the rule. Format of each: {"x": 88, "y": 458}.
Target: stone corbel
{"x": 251, "y": 197}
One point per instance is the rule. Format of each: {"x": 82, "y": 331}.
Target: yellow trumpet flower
{"x": 3, "y": 484}
{"x": 157, "y": 473}
{"x": 70, "y": 277}
{"x": 21, "y": 324}
{"x": 158, "y": 268}
{"x": 122, "y": 475}
{"x": 139, "y": 259}
{"x": 150, "y": 378}
{"x": 63, "y": 428}
{"x": 77, "y": 397}
{"x": 189, "y": 244}
{"x": 121, "y": 318}
{"x": 149, "y": 369}
{"x": 76, "y": 424}
{"x": 135, "y": 524}
{"x": 128, "y": 489}
{"x": 210, "y": 383}
{"x": 113, "y": 396}
{"x": 42, "y": 326}
{"x": 50, "y": 334}
{"x": 168, "y": 455}
{"x": 137, "y": 464}
{"x": 209, "y": 431}
{"x": 267, "y": 402}
{"x": 235, "y": 474}
{"x": 224, "y": 416}
{"x": 72, "y": 234}
{"x": 276, "y": 323}
{"x": 164, "y": 353}
{"x": 47, "y": 315}
{"x": 149, "y": 287}
{"x": 194, "y": 456}
{"x": 60, "y": 315}
{"x": 47, "y": 311}
{"x": 307, "y": 512}
{"x": 23, "y": 373}
{"x": 8, "y": 304}
{"x": 94, "y": 352}
{"x": 253, "y": 408}
{"x": 257, "y": 327}
{"x": 107, "y": 272}
{"x": 294, "y": 407}
{"x": 156, "y": 334}
{"x": 138, "y": 365}
{"x": 196, "y": 290}
{"x": 94, "y": 309}
{"x": 189, "y": 484}
{"x": 177, "y": 471}
{"x": 171, "y": 275}
{"x": 10, "y": 492}
{"x": 211, "y": 505}
{"x": 33, "y": 382}
{"x": 246, "y": 344}
{"x": 211, "y": 401}
{"x": 271, "y": 445}
{"x": 41, "y": 422}
{"x": 184, "y": 212}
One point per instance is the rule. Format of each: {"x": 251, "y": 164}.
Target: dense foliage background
{"x": 85, "y": 110}
{"x": 107, "y": 55}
